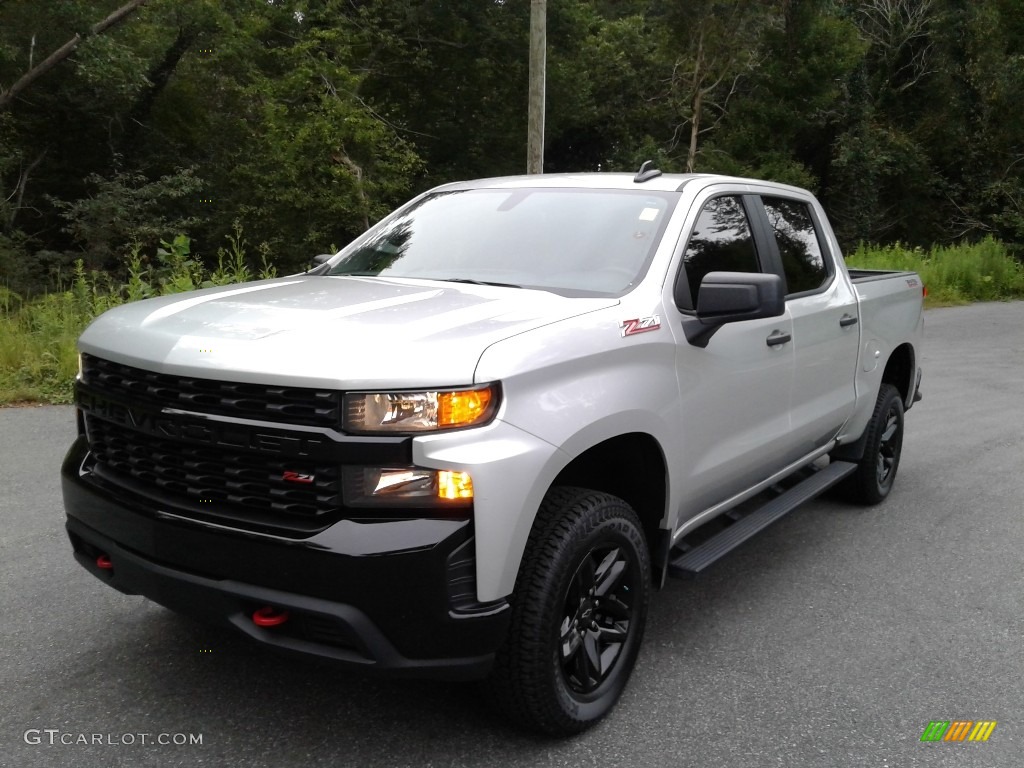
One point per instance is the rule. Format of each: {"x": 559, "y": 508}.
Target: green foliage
{"x": 126, "y": 209}
{"x": 956, "y": 274}
{"x": 38, "y": 355}
{"x": 110, "y": 68}
{"x": 304, "y": 122}
{"x": 38, "y": 359}
{"x": 784, "y": 125}
{"x": 231, "y": 261}
{"x": 16, "y": 262}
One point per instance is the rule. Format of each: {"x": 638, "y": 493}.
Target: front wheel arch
{"x": 578, "y": 614}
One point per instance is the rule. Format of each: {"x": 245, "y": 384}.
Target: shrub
{"x": 38, "y": 353}
{"x": 953, "y": 274}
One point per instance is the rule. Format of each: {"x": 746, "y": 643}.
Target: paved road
{"x": 832, "y": 639}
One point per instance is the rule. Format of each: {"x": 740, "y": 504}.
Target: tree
{"x": 59, "y": 55}
{"x": 724, "y": 46}
{"x": 311, "y": 161}
{"x": 307, "y": 121}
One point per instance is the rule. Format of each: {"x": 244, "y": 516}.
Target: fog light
{"x": 404, "y": 482}
{"x": 454, "y": 485}
{"x": 397, "y": 487}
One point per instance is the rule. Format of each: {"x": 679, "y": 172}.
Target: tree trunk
{"x": 19, "y": 190}
{"x": 538, "y": 76}
{"x": 158, "y": 78}
{"x": 696, "y": 104}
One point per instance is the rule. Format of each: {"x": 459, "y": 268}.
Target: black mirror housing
{"x": 728, "y": 297}
{"x": 316, "y": 264}
{"x": 731, "y": 297}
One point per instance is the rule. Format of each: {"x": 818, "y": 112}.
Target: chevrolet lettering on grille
{"x": 208, "y": 431}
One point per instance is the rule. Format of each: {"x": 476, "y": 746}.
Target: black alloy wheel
{"x": 890, "y": 444}
{"x": 598, "y": 614}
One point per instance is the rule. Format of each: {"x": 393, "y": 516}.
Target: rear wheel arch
{"x": 883, "y": 446}
{"x": 900, "y": 371}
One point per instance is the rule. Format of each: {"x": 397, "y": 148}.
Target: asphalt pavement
{"x": 831, "y": 639}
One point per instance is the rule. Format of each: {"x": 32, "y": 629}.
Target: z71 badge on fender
{"x": 640, "y": 325}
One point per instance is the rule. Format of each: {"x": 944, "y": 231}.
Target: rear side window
{"x": 793, "y": 228}
{"x": 721, "y": 242}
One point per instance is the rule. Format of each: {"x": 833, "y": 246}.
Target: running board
{"x": 700, "y": 557}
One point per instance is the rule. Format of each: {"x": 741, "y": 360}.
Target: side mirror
{"x": 318, "y": 261}
{"x": 731, "y": 297}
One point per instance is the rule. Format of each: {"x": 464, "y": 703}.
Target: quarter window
{"x": 721, "y": 242}
{"x": 793, "y": 228}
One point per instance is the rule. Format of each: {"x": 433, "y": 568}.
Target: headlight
{"x": 420, "y": 411}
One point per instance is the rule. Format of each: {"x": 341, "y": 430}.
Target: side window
{"x": 802, "y": 261}
{"x": 721, "y": 242}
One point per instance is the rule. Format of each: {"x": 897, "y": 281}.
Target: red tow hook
{"x": 103, "y": 561}
{"x": 269, "y": 616}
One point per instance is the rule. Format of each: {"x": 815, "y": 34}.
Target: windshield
{"x": 576, "y": 242}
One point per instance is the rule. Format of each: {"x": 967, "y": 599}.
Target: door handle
{"x": 776, "y": 338}
{"x": 847, "y": 320}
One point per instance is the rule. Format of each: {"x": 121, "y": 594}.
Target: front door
{"x": 735, "y": 426}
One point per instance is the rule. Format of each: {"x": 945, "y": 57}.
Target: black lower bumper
{"x": 386, "y": 596}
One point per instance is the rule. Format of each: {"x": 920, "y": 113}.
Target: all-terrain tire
{"x": 876, "y": 471}
{"x": 578, "y": 614}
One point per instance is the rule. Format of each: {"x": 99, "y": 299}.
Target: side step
{"x": 700, "y": 557}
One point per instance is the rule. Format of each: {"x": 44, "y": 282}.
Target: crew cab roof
{"x": 667, "y": 182}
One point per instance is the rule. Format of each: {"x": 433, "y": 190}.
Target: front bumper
{"x": 396, "y": 596}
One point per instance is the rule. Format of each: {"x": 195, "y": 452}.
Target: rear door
{"x": 824, "y": 313}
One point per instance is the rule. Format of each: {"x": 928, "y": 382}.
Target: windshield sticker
{"x": 648, "y": 214}
{"x": 640, "y": 325}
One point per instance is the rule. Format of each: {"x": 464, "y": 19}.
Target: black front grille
{"x": 287, "y": 405}
{"x": 256, "y": 457}
{"x": 212, "y": 481}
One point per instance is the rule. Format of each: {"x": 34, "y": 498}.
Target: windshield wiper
{"x": 476, "y": 282}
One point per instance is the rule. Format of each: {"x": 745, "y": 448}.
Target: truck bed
{"x": 867, "y": 275}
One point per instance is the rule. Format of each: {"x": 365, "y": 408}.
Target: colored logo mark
{"x": 958, "y": 730}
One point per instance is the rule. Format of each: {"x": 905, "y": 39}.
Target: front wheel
{"x": 578, "y": 613}
{"x": 876, "y": 471}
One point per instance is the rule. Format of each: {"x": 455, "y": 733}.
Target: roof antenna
{"x": 644, "y": 174}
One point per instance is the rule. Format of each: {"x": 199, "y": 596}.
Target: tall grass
{"x": 37, "y": 349}
{"x": 38, "y": 354}
{"x": 953, "y": 274}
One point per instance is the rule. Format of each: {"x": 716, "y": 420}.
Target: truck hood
{"x": 338, "y": 332}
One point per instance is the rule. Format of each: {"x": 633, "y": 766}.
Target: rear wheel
{"x": 578, "y": 613}
{"x": 876, "y": 471}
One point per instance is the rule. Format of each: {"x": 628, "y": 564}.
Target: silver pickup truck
{"x": 472, "y": 442}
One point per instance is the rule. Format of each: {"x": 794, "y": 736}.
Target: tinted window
{"x": 721, "y": 242}
{"x": 793, "y": 227}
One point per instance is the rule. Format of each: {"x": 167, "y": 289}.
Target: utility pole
{"x": 538, "y": 75}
